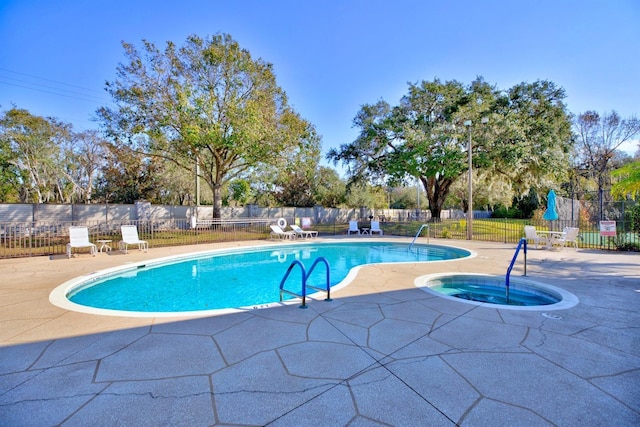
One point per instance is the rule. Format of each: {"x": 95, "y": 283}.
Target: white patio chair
{"x": 375, "y": 228}
{"x": 130, "y": 237}
{"x": 79, "y": 238}
{"x": 353, "y": 228}
{"x": 531, "y": 234}
{"x": 570, "y": 236}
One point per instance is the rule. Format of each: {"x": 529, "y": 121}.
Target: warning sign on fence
{"x": 607, "y": 228}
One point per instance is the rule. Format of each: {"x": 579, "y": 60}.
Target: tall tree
{"x": 597, "y": 139}
{"x": 208, "y": 102}
{"x": 9, "y": 172}
{"x": 424, "y": 137}
{"x": 82, "y": 160}
{"x": 296, "y": 181}
{"x": 330, "y": 188}
{"x": 35, "y": 143}
{"x": 530, "y": 137}
{"x": 127, "y": 176}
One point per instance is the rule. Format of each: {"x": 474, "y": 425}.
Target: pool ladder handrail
{"x": 305, "y": 276}
{"x": 522, "y": 242}
{"x": 418, "y": 234}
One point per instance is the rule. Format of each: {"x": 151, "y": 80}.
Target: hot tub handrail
{"x": 418, "y": 234}
{"x": 522, "y": 242}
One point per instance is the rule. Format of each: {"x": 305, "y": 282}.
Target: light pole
{"x": 468, "y": 123}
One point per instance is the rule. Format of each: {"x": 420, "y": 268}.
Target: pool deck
{"x": 381, "y": 353}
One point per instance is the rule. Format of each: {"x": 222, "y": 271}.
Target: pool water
{"x": 241, "y": 278}
{"x": 488, "y": 290}
{"x": 493, "y": 294}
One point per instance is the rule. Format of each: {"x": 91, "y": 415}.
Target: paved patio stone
{"x": 157, "y": 356}
{"x": 177, "y": 402}
{"x": 381, "y": 353}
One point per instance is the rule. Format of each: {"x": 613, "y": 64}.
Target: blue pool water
{"x": 250, "y": 277}
{"x": 478, "y": 288}
{"x": 493, "y": 294}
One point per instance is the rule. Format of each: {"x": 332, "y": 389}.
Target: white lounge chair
{"x": 281, "y": 234}
{"x": 79, "y": 238}
{"x": 130, "y": 237}
{"x": 531, "y": 234}
{"x": 375, "y": 228}
{"x": 570, "y": 236}
{"x": 353, "y": 227}
{"x": 303, "y": 233}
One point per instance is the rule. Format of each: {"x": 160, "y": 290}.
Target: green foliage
{"x": 35, "y": 159}
{"x": 330, "y": 188}
{"x": 128, "y": 176}
{"x": 521, "y": 207}
{"x": 240, "y": 191}
{"x": 9, "y": 173}
{"x": 629, "y": 183}
{"x": 207, "y": 101}
{"x": 634, "y": 216}
{"x": 525, "y": 143}
{"x": 369, "y": 196}
{"x": 624, "y": 245}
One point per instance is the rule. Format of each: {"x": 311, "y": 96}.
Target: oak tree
{"x": 524, "y": 143}
{"x": 207, "y": 103}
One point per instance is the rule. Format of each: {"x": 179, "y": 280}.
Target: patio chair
{"x": 570, "y": 236}
{"x": 278, "y": 232}
{"x": 375, "y": 228}
{"x": 130, "y": 237}
{"x": 303, "y": 233}
{"x": 79, "y": 238}
{"x": 531, "y": 234}
{"x": 353, "y": 228}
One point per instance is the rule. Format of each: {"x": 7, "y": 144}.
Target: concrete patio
{"x": 381, "y": 353}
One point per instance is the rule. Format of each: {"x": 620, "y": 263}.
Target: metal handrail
{"x": 304, "y": 284}
{"x": 418, "y": 234}
{"x": 328, "y": 286}
{"x": 284, "y": 279}
{"x": 522, "y": 242}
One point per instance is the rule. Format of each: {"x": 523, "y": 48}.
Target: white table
{"x": 551, "y": 236}
{"x": 364, "y": 230}
{"x": 104, "y": 245}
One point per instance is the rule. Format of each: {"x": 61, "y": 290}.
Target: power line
{"x": 50, "y": 80}
{"x": 69, "y": 94}
{"x": 93, "y": 101}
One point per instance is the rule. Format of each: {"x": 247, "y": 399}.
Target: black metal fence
{"x": 46, "y": 239}
{"x": 38, "y": 239}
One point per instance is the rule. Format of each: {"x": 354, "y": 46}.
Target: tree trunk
{"x": 437, "y": 192}
{"x": 217, "y": 201}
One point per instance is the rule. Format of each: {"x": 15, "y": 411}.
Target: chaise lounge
{"x": 281, "y": 234}
{"x": 79, "y": 238}
{"x": 303, "y": 233}
{"x": 130, "y": 237}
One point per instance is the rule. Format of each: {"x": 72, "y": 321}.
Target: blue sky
{"x": 330, "y": 56}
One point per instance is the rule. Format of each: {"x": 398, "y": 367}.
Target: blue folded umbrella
{"x": 551, "y": 214}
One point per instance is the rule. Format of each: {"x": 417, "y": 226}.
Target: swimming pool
{"x": 229, "y": 279}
